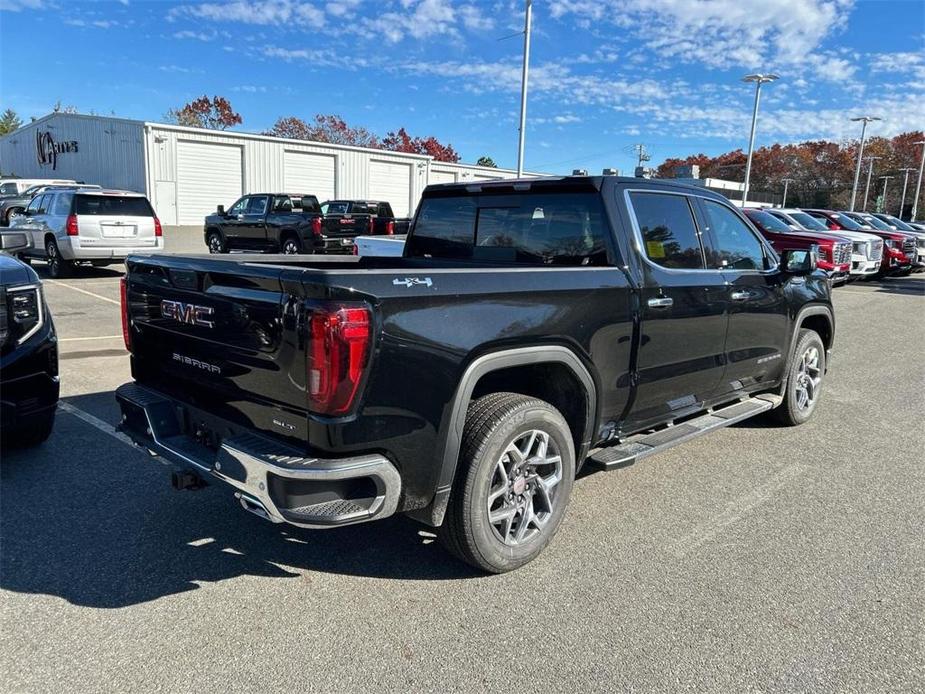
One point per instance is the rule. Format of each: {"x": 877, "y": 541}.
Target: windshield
{"x": 898, "y": 223}
{"x": 807, "y": 221}
{"x": 847, "y": 222}
{"x": 116, "y": 205}
{"x": 877, "y": 223}
{"x": 768, "y": 221}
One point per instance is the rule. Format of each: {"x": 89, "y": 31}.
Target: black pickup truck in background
{"x": 532, "y": 327}
{"x": 363, "y": 217}
{"x": 274, "y": 223}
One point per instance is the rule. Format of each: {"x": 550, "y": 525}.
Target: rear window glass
{"x": 335, "y": 207}
{"x": 116, "y": 205}
{"x": 669, "y": 234}
{"x": 535, "y": 229}
{"x": 362, "y": 208}
{"x": 8, "y": 188}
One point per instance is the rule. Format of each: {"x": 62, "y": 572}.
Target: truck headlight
{"x": 24, "y": 312}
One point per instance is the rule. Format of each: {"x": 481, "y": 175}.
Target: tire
{"x": 58, "y": 267}
{"x": 904, "y": 273}
{"x": 35, "y": 432}
{"x": 216, "y": 242}
{"x": 807, "y": 362}
{"x": 290, "y": 245}
{"x": 496, "y": 424}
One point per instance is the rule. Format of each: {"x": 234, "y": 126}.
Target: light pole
{"x": 918, "y": 186}
{"x": 870, "y": 170}
{"x": 886, "y": 180}
{"x": 758, "y": 79}
{"x": 528, "y": 12}
{"x": 783, "y": 203}
{"x": 857, "y": 170}
{"x": 902, "y": 200}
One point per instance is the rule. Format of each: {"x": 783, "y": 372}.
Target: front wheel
{"x": 57, "y": 266}
{"x": 216, "y": 243}
{"x": 804, "y": 380}
{"x": 512, "y": 484}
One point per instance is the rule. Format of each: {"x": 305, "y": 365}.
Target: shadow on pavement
{"x": 83, "y": 271}
{"x": 910, "y": 286}
{"x": 89, "y": 519}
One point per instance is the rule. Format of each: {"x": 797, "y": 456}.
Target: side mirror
{"x": 799, "y": 261}
{"x": 13, "y": 241}
{"x": 220, "y": 210}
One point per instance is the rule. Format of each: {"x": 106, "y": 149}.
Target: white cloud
{"x": 197, "y": 35}
{"x": 18, "y": 5}
{"x": 475, "y": 19}
{"x": 909, "y": 63}
{"x": 260, "y": 12}
{"x": 567, "y": 118}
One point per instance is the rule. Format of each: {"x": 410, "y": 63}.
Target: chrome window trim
{"x": 39, "y": 302}
{"x": 640, "y": 245}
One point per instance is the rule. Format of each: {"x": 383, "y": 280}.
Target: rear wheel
{"x": 291, "y": 246}
{"x": 57, "y": 266}
{"x": 804, "y": 380}
{"x": 512, "y": 484}
{"x": 216, "y": 243}
{"x": 34, "y": 432}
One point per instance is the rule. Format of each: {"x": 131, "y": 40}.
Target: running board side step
{"x": 643, "y": 445}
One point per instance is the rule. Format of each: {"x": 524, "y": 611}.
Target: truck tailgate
{"x": 221, "y": 336}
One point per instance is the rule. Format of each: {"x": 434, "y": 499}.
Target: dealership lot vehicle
{"x": 69, "y": 226}
{"x": 12, "y": 205}
{"x": 371, "y": 217}
{"x": 393, "y": 246}
{"x": 11, "y": 187}
{"x": 835, "y": 252}
{"x": 28, "y": 350}
{"x": 899, "y": 225}
{"x": 898, "y": 248}
{"x": 686, "y": 551}
{"x": 299, "y": 400}
{"x": 276, "y": 223}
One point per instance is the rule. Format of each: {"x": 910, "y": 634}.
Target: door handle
{"x": 740, "y": 296}
{"x": 661, "y": 302}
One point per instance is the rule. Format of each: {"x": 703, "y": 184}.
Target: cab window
{"x": 62, "y": 205}
{"x": 238, "y": 207}
{"x": 257, "y": 205}
{"x": 669, "y": 235}
{"x": 36, "y": 205}
{"x": 735, "y": 246}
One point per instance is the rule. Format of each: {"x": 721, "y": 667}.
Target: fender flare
{"x": 803, "y": 313}
{"x": 448, "y": 456}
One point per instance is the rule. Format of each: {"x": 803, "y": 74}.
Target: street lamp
{"x": 870, "y": 170}
{"x": 886, "y": 180}
{"x": 857, "y": 170}
{"x": 528, "y": 13}
{"x": 918, "y": 186}
{"x": 758, "y": 79}
{"x": 787, "y": 181}
{"x": 902, "y": 201}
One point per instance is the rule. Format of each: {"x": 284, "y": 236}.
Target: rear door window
{"x": 735, "y": 245}
{"x": 534, "y": 229}
{"x": 112, "y": 205}
{"x": 669, "y": 234}
{"x": 35, "y": 205}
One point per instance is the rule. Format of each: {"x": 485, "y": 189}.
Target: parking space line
{"x": 105, "y": 427}
{"x": 83, "y": 291}
{"x": 83, "y": 339}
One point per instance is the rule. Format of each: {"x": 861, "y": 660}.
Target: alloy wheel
{"x": 522, "y": 493}
{"x": 291, "y": 247}
{"x": 808, "y": 379}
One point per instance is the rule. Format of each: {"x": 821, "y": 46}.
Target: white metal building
{"x": 186, "y": 172}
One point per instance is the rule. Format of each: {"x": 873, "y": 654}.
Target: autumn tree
{"x": 401, "y": 141}
{"x": 485, "y": 160}
{"x": 324, "y": 128}
{"x": 9, "y": 121}
{"x": 214, "y": 114}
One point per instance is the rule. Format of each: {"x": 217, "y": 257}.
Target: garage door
{"x": 442, "y": 177}
{"x": 391, "y": 183}
{"x": 207, "y": 175}
{"x": 311, "y": 174}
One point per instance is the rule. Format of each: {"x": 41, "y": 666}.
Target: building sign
{"x": 48, "y": 150}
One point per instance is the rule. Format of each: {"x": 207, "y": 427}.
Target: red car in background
{"x": 898, "y": 248}
{"x": 834, "y": 251}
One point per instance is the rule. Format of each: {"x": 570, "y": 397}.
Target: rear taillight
{"x": 390, "y": 228}
{"x": 372, "y": 225}
{"x": 316, "y": 226}
{"x": 126, "y": 331}
{"x": 71, "y": 225}
{"x": 158, "y": 229}
{"x": 340, "y": 338}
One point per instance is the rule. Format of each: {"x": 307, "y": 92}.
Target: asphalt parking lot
{"x": 756, "y": 558}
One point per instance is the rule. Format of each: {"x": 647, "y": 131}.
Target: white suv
{"x": 101, "y": 227}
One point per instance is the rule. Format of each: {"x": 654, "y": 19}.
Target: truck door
{"x": 757, "y": 336}
{"x": 253, "y": 226}
{"x": 233, "y": 222}
{"x": 683, "y": 309}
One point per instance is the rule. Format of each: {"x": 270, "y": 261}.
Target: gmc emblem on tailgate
{"x": 191, "y": 314}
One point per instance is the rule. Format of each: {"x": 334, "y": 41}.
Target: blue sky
{"x": 605, "y": 73}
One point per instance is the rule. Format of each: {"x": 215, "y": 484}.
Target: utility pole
{"x": 886, "y": 180}
{"x": 870, "y": 170}
{"x": 902, "y": 200}
{"x": 857, "y": 171}
{"x": 642, "y": 155}
{"x": 758, "y": 79}
{"x": 783, "y": 203}
{"x": 528, "y": 13}
{"x": 918, "y": 186}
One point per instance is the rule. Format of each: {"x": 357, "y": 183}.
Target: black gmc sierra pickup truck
{"x": 275, "y": 223}
{"x": 370, "y": 217}
{"x": 532, "y": 327}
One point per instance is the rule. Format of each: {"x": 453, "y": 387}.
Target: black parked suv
{"x": 532, "y": 327}
{"x": 28, "y": 350}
